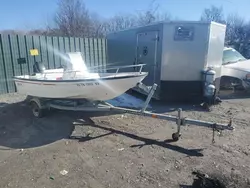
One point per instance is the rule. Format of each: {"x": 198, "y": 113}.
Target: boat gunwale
{"x": 116, "y": 77}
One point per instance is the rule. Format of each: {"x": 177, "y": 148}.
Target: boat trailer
{"x": 39, "y": 105}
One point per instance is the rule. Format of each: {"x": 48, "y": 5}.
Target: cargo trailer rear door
{"x": 146, "y": 53}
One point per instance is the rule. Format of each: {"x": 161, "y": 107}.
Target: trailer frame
{"x": 39, "y": 105}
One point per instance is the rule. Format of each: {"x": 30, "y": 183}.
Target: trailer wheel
{"x": 36, "y": 110}
{"x": 175, "y": 136}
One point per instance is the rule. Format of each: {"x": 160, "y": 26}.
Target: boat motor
{"x": 38, "y": 67}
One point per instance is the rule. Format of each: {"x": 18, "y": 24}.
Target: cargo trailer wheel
{"x": 175, "y": 136}
{"x": 36, "y": 110}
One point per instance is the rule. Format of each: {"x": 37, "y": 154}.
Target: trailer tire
{"x": 36, "y": 110}
{"x": 175, "y": 136}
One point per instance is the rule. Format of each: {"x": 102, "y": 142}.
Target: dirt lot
{"x": 120, "y": 150}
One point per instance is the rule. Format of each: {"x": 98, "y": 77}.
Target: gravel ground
{"x": 121, "y": 150}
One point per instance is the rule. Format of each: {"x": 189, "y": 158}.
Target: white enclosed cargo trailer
{"x": 176, "y": 55}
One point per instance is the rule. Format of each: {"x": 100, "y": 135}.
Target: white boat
{"x": 77, "y": 82}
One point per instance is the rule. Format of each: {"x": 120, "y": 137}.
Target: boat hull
{"x": 91, "y": 89}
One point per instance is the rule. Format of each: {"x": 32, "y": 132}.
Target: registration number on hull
{"x": 88, "y": 84}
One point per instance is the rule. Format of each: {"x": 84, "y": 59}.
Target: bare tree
{"x": 96, "y": 26}
{"x": 213, "y": 14}
{"x": 235, "y": 24}
{"x": 238, "y": 34}
{"x": 152, "y": 14}
{"x": 72, "y": 18}
{"x": 166, "y": 16}
{"x": 147, "y": 17}
{"x": 12, "y": 32}
{"x": 121, "y": 22}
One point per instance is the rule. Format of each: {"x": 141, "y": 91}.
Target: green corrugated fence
{"x": 15, "y": 58}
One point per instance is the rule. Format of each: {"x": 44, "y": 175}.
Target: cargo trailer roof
{"x": 170, "y": 22}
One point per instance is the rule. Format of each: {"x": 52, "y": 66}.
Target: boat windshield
{"x": 232, "y": 56}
